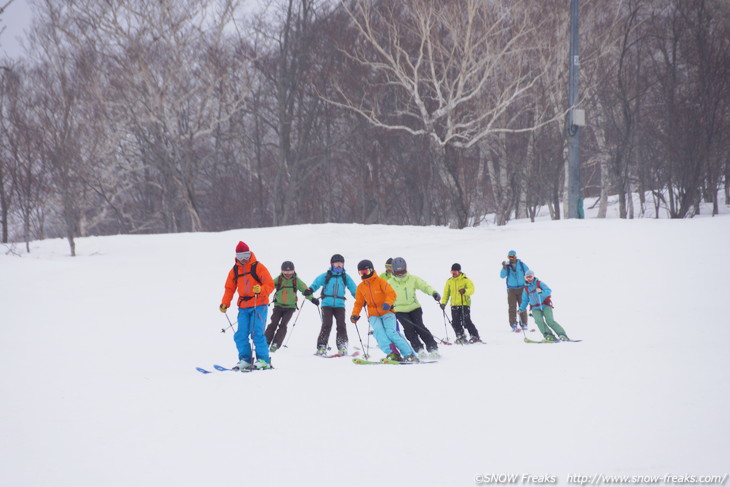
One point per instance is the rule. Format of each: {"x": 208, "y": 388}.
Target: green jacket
{"x": 451, "y": 289}
{"x": 286, "y": 291}
{"x": 405, "y": 290}
{"x": 385, "y": 275}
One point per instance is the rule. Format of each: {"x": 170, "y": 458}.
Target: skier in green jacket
{"x": 388, "y": 269}
{"x": 408, "y": 310}
{"x": 459, "y": 289}
{"x": 285, "y": 302}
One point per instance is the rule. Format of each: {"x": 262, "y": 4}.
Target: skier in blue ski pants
{"x": 385, "y": 332}
{"x": 251, "y": 322}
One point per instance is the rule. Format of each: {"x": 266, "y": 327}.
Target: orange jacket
{"x": 245, "y": 285}
{"x": 374, "y": 291}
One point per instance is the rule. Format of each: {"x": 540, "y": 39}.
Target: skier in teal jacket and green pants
{"x": 537, "y": 294}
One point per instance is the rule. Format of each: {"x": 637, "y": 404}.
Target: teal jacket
{"x": 515, "y": 274}
{"x": 333, "y": 288}
{"x": 535, "y": 299}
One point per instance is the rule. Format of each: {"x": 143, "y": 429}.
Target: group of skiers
{"x": 390, "y": 300}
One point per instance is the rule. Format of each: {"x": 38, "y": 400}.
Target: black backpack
{"x": 253, "y": 273}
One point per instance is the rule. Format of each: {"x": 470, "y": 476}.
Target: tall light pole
{"x": 576, "y": 118}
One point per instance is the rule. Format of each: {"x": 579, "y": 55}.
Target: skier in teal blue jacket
{"x": 538, "y": 295}
{"x": 334, "y": 283}
{"x": 514, "y": 270}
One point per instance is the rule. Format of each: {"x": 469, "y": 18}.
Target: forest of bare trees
{"x": 133, "y": 116}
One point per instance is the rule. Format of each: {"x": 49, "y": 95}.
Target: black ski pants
{"x": 415, "y": 330}
{"x": 328, "y": 313}
{"x": 461, "y": 318}
{"x": 276, "y": 331}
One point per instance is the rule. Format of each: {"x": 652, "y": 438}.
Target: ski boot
{"x": 321, "y": 351}
{"x": 410, "y": 358}
{"x": 262, "y": 364}
{"x": 433, "y": 354}
{"x": 242, "y": 365}
{"x": 394, "y": 356}
{"x": 460, "y": 340}
{"x": 550, "y": 338}
{"x": 564, "y": 338}
{"x": 273, "y": 348}
{"x": 515, "y": 328}
{"x": 475, "y": 340}
{"x": 524, "y": 326}
{"x": 342, "y": 351}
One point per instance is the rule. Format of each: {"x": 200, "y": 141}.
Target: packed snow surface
{"x": 99, "y": 386}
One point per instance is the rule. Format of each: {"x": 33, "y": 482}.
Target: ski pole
{"x": 292, "y": 327}
{"x": 522, "y": 327}
{"x": 365, "y": 353}
{"x": 251, "y": 330}
{"x": 368, "y": 340}
{"x": 446, "y": 329}
{"x": 230, "y": 325}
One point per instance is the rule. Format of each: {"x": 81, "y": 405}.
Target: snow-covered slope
{"x": 99, "y": 386}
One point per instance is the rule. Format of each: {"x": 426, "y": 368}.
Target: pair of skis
{"x": 335, "y": 355}
{"x": 527, "y": 340}
{"x": 359, "y": 361}
{"x": 220, "y": 368}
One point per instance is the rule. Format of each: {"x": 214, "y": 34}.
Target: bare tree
{"x": 162, "y": 82}
{"x": 438, "y": 62}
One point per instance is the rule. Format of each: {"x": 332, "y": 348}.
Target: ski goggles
{"x": 529, "y": 278}
{"x": 243, "y": 256}
{"x": 365, "y": 272}
{"x": 400, "y": 272}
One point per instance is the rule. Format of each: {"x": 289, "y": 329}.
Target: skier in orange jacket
{"x": 253, "y": 282}
{"x": 379, "y": 296}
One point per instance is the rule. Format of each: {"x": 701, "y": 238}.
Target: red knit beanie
{"x": 242, "y": 251}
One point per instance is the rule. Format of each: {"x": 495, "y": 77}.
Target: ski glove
{"x": 223, "y": 308}
{"x": 256, "y": 288}
{"x": 539, "y": 291}
{"x": 386, "y": 306}
{"x": 442, "y": 305}
{"x": 436, "y": 296}
{"x": 308, "y": 291}
{"x": 315, "y": 301}
{"x": 354, "y": 318}
{"x": 462, "y": 290}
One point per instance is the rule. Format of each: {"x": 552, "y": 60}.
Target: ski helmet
{"x": 337, "y": 258}
{"x": 456, "y": 267}
{"x": 399, "y": 266}
{"x": 365, "y": 268}
{"x": 287, "y": 266}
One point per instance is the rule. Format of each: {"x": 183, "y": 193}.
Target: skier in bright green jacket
{"x": 459, "y": 289}
{"x": 388, "y": 269}
{"x": 285, "y": 302}
{"x": 408, "y": 310}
